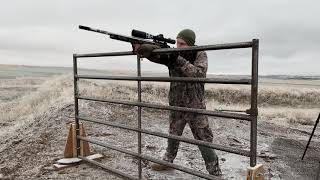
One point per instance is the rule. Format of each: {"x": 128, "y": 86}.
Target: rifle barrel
{"x": 120, "y": 37}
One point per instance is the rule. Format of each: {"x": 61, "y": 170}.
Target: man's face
{"x": 181, "y": 43}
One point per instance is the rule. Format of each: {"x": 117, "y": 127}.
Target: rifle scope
{"x": 144, "y": 35}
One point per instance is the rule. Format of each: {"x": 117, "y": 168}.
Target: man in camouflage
{"x": 191, "y": 95}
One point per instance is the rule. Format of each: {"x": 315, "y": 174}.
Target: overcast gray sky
{"x": 40, "y": 32}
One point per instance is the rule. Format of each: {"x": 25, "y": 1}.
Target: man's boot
{"x": 213, "y": 168}
{"x": 169, "y": 156}
{"x": 159, "y": 167}
{"x": 211, "y": 160}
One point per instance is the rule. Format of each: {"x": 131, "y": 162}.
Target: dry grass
{"x": 52, "y": 93}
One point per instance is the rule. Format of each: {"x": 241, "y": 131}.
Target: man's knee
{"x": 176, "y": 126}
{"x": 204, "y": 134}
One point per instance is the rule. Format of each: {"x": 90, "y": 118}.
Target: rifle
{"x": 137, "y": 37}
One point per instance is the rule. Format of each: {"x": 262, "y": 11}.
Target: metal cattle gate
{"x": 249, "y": 115}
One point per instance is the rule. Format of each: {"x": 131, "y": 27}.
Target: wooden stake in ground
{"x": 71, "y": 149}
{"x": 255, "y": 173}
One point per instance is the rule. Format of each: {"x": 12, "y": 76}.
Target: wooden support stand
{"x": 71, "y": 149}
{"x": 70, "y": 152}
{"x": 256, "y": 173}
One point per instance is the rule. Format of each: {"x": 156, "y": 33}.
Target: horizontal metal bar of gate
{"x": 123, "y": 53}
{"x": 170, "y": 50}
{"x": 115, "y": 171}
{"x": 168, "y": 79}
{"x": 181, "y": 168}
{"x": 180, "y": 138}
{"x": 206, "y": 47}
{"x": 174, "y": 108}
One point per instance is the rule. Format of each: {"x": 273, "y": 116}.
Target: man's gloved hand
{"x": 145, "y": 50}
{"x": 188, "y": 55}
{"x": 173, "y": 57}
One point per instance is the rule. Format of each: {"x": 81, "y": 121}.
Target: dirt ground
{"x": 31, "y": 144}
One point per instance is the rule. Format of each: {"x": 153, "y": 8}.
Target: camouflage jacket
{"x": 192, "y": 64}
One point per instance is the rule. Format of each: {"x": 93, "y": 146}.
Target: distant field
{"x": 13, "y": 71}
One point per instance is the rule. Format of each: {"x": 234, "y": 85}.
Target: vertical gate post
{"x": 254, "y": 102}
{"x": 139, "y": 115}
{"x": 76, "y": 100}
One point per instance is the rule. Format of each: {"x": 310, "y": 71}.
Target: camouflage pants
{"x": 201, "y": 131}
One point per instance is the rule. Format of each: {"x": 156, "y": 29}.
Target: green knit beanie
{"x": 188, "y": 36}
